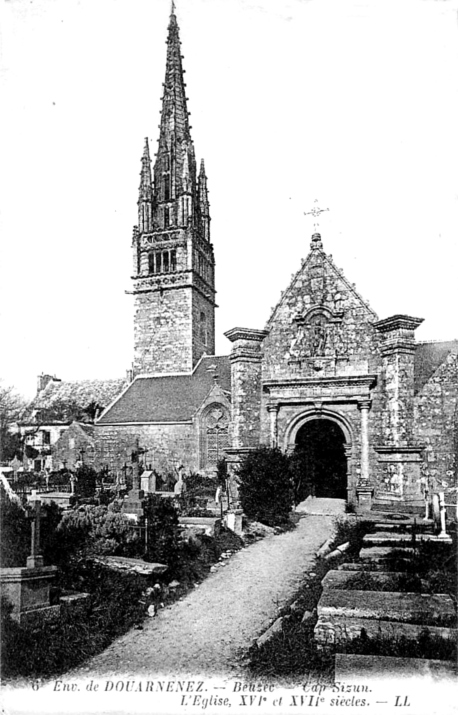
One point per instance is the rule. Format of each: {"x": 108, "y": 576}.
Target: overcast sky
{"x": 354, "y": 103}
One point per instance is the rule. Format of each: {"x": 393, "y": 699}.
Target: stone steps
{"x": 371, "y": 567}
{"x": 423, "y": 526}
{"x": 382, "y": 538}
{"x": 377, "y": 554}
{"x": 338, "y": 631}
{"x": 419, "y": 608}
{"x": 376, "y": 580}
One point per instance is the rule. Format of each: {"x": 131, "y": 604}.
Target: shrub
{"x": 16, "y": 532}
{"x": 116, "y": 605}
{"x": 265, "y": 487}
{"x": 91, "y": 529}
{"x": 161, "y": 521}
{"x": 86, "y": 481}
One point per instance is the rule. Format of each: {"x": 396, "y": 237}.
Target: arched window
{"x": 215, "y": 435}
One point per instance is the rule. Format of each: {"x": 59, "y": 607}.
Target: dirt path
{"x": 208, "y": 631}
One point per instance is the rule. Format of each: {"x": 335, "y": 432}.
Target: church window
{"x": 173, "y": 260}
{"x": 165, "y": 259}
{"x": 216, "y": 435}
{"x": 166, "y": 217}
{"x": 158, "y": 263}
{"x": 151, "y": 262}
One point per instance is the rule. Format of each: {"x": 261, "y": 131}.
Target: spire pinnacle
{"x": 172, "y": 7}
{"x": 145, "y": 188}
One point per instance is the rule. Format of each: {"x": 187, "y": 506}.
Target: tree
{"x": 11, "y": 406}
{"x": 265, "y": 488}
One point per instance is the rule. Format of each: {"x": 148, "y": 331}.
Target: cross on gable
{"x": 315, "y": 212}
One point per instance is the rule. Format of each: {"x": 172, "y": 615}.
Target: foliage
{"x": 15, "y": 541}
{"x": 117, "y": 603}
{"x": 91, "y": 529}
{"x": 86, "y": 483}
{"x": 11, "y": 406}
{"x": 67, "y": 411}
{"x": 199, "y": 485}
{"x": 265, "y": 487}
{"x": 16, "y": 532}
{"x": 162, "y": 531}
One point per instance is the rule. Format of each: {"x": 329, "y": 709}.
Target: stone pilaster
{"x": 245, "y": 359}
{"x": 273, "y": 413}
{"x": 399, "y": 453}
{"x": 398, "y": 351}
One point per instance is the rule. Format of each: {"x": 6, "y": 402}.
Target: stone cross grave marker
{"x": 35, "y": 560}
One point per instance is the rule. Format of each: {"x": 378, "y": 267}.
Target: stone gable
{"x": 321, "y": 326}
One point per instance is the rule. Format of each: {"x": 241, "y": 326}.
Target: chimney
{"x": 43, "y": 380}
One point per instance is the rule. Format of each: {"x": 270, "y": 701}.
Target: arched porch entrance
{"x": 321, "y": 450}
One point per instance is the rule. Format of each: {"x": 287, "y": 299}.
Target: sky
{"x": 351, "y": 102}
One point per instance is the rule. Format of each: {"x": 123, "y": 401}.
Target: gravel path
{"x": 208, "y": 631}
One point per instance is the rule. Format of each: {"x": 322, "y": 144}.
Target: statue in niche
{"x": 318, "y": 337}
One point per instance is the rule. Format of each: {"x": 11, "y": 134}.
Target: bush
{"x": 117, "y": 604}
{"x": 16, "y": 532}
{"x": 265, "y": 487}
{"x": 86, "y": 481}
{"x": 163, "y": 533}
{"x": 91, "y": 529}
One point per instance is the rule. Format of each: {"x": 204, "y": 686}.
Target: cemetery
{"x": 385, "y": 601}
{"x": 83, "y": 573}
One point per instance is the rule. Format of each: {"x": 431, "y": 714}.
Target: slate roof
{"x": 428, "y": 357}
{"x": 169, "y": 398}
{"x": 81, "y": 392}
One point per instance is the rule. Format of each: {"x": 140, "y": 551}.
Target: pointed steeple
{"x": 204, "y": 206}
{"x": 174, "y": 108}
{"x": 145, "y": 197}
{"x": 175, "y": 185}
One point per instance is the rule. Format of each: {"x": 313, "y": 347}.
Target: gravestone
{"x": 148, "y": 482}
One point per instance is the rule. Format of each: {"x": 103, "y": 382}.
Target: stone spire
{"x": 175, "y": 167}
{"x": 145, "y": 193}
{"x": 204, "y": 206}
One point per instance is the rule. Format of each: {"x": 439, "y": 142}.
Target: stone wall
{"x": 162, "y": 331}
{"x": 168, "y": 445}
{"x": 436, "y": 422}
{"x": 68, "y": 449}
{"x": 202, "y": 346}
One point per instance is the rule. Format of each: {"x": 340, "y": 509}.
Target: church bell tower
{"x": 174, "y": 265}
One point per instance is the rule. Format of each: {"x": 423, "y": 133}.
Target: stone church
{"x": 374, "y": 412}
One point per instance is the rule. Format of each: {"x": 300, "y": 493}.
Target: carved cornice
{"x": 246, "y": 334}
{"x": 169, "y": 281}
{"x": 398, "y": 322}
{"x": 365, "y": 381}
